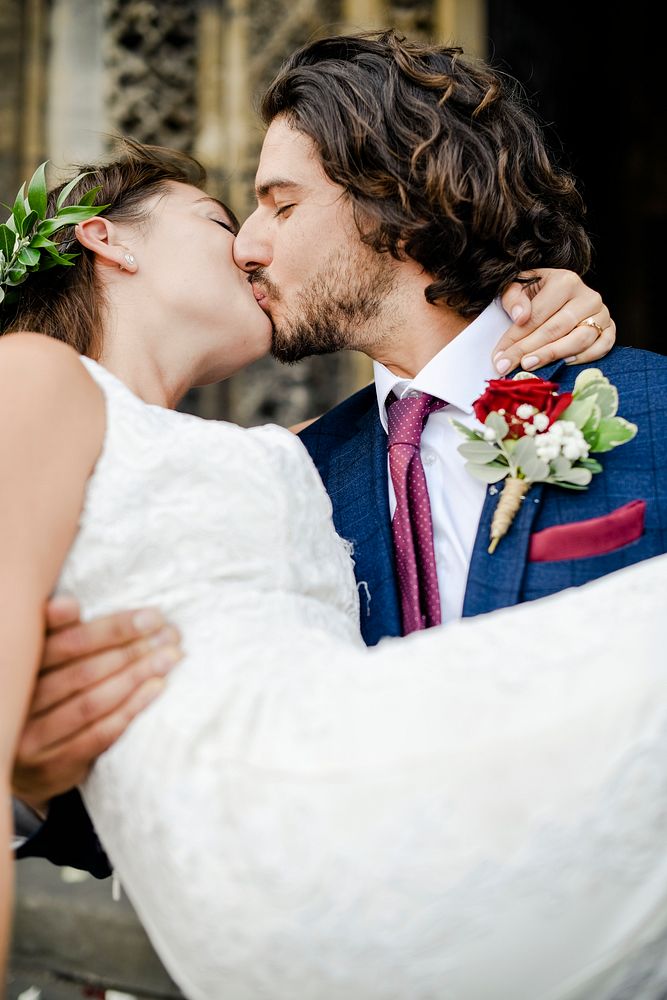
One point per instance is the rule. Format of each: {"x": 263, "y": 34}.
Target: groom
{"x": 399, "y": 191}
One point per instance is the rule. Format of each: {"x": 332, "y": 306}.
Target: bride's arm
{"x": 51, "y": 431}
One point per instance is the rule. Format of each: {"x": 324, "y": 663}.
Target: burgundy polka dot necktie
{"x": 412, "y": 527}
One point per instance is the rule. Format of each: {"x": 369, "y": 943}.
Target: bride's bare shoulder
{"x": 34, "y": 357}
{"x": 25, "y": 347}
{"x": 44, "y": 377}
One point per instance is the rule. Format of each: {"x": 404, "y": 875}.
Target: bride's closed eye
{"x": 225, "y": 225}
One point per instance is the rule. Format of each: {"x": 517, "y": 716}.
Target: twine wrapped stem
{"x": 512, "y": 494}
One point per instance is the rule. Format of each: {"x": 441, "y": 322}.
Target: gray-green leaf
{"x": 612, "y": 432}
{"x": 497, "y": 424}
{"x": 586, "y": 378}
{"x": 535, "y": 470}
{"x": 487, "y": 473}
{"x": 478, "y": 451}
{"x": 575, "y": 477}
{"x": 560, "y": 465}
{"x": 523, "y": 451}
{"x": 468, "y": 432}
{"x": 579, "y": 411}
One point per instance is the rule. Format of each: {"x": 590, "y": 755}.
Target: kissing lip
{"x": 260, "y": 295}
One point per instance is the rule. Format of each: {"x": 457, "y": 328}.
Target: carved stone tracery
{"x": 151, "y": 62}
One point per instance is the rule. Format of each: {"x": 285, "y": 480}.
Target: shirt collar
{"x": 458, "y": 373}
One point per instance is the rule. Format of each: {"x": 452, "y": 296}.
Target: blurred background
{"x": 187, "y": 73}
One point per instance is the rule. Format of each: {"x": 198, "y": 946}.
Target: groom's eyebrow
{"x": 280, "y": 183}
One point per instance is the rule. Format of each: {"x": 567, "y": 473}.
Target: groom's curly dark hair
{"x": 440, "y": 158}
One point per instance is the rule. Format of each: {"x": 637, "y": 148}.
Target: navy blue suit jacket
{"x": 348, "y": 446}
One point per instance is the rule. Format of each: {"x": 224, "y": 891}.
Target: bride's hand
{"x": 550, "y": 323}
{"x": 95, "y": 677}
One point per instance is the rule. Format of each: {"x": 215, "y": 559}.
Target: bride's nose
{"x": 252, "y": 247}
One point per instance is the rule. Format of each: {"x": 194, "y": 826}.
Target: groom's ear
{"x": 101, "y": 237}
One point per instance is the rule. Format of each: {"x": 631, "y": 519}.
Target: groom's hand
{"x": 94, "y": 679}
{"x": 550, "y": 322}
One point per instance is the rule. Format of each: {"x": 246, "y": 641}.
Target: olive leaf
{"x": 37, "y": 191}
{"x": 25, "y": 244}
{"x": 7, "y": 241}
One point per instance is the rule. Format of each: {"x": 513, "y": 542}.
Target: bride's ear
{"x": 100, "y": 236}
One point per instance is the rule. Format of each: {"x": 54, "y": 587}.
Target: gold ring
{"x": 591, "y": 322}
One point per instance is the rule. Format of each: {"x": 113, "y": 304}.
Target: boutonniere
{"x": 534, "y": 434}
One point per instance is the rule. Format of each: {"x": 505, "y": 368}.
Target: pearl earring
{"x": 129, "y": 259}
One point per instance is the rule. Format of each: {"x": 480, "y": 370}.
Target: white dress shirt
{"x": 457, "y": 374}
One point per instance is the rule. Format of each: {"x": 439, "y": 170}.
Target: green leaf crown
{"x": 26, "y": 243}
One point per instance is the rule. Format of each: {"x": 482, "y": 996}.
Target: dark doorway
{"x": 596, "y": 78}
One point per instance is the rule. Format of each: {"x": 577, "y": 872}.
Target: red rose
{"x": 508, "y": 395}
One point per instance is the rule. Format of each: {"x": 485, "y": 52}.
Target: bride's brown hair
{"x": 66, "y": 302}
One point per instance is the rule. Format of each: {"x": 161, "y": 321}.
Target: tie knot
{"x": 407, "y": 417}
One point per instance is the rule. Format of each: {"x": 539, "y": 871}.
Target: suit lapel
{"x": 494, "y": 581}
{"x": 359, "y": 493}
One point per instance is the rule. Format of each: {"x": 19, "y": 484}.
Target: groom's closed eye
{"x": 282, "y": 210}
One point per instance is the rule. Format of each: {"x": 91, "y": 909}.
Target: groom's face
{"x": 323, "y": 289}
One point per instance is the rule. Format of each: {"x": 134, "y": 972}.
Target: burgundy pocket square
{"x": 594, "y": 537}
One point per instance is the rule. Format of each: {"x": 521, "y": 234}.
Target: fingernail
{"x": 516, "y": 313}
{"x": 496, "y": 356}
{"x": 147, "y": 620}
{"x": 570, "y": 361}
{"x": 152, "y": 688}
{"x": 532, "y": 361}
{"x": 168, "y": 634}
{"x": 503, "y": 366}
{"x": 165, "y": 659}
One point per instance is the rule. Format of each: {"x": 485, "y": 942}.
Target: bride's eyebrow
{"x": 213, "y": 201}
{"x": 208, "y": 199}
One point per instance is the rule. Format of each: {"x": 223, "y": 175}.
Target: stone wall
{"x": 187, "y": 74}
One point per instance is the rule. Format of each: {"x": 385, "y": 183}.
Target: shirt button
{"x": 412, "y": 394}
{"x": 428, "y": 457}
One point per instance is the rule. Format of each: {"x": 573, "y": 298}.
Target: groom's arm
{"x": 94, "y": 680}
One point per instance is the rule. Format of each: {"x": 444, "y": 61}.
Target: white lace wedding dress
{"x": 474, "y": 812}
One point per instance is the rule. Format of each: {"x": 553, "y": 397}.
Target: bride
{"x": 475, "y": 811}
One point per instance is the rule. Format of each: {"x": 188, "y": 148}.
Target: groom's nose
{"x": 251, "y": 247}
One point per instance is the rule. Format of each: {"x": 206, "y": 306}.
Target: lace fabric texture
{"x": 472, "y": 812}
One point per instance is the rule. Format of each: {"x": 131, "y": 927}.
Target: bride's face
{"x": 185, "y": 262}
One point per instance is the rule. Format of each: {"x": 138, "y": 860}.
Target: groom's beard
{"x": 337, "y": 310}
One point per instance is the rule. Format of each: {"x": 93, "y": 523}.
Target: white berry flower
{"x": 540, "y": 421}
{"x": 525, "y": 411}
{"x": 575, "y": 446}
{"x": 547, "y": 448}
{"x": 562, "y": 438}
{"x": 489, "y": 434}
{"x": 530, "y": 430}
